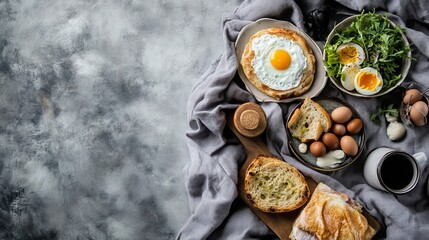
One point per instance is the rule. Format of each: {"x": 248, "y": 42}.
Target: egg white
{"x": 289, "y": 78}
{"x": 348, "y": 75}
{"x": 366, "y": 91}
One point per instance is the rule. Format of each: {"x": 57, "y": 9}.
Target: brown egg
{"x": 422, "y": 107}
{"x": 341, "y": 114}
{"x": 331, "y": 141}
{"x": 349, "y": 146}
{"x": 354, "y": 126}
{"x": 339, "y": 129}
{"x": 412, "y": 96}
{"x": 418, "y": 112}
{"x": 318, "y": 149}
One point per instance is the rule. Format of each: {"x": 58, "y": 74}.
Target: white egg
{"x": 278, "y": 61}
{"x": 348, "y": 75}
{"x": 351, "y": 53}
{"x": 368, "y": 81}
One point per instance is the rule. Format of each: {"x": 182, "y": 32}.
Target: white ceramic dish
{"x": 243, "y": 38}
{"x": 406, "y": 63}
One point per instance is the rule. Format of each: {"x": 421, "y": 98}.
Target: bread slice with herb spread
{"x": 272, "y": 185}
{"x": 309, "y": 121}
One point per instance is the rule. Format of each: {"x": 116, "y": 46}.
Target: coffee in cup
{"x": 393, "y": 171}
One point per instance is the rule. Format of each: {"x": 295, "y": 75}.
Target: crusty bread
{"x": 273, "y": 185}
{"x": 331, "y": 215}
{"x": 309, "y": 121}
{"x": 307, "y": 73}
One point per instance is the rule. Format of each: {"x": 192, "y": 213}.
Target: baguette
{"x": 272, "y": 185}
{"x": 309, "y": 121}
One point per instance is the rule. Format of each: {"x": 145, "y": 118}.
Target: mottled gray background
{"x": 93, "y": 114}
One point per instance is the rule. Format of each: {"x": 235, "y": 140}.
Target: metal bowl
{"x": 404, "y": 109}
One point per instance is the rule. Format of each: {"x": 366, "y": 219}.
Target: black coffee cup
{"x": 393, "y": 171}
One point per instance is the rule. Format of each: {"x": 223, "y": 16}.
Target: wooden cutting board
{"x": 279, "y": 223}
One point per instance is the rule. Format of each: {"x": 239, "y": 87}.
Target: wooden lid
{"x": 250, "y": 119}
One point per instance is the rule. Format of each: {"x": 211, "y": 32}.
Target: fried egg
{"x": 351, "y": 53}
{"x": 278, "y": 61}
{"x": 368, "y": 81}
{"x": 348, "y": 75}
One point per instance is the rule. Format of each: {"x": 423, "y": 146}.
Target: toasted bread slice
{"x": 309, "y": 121}
{"x": 273, "y": 185}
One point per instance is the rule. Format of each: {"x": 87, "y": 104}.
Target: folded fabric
{"x": 216, "y": 155}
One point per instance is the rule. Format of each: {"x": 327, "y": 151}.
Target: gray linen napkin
{"x": 216, "y": 155}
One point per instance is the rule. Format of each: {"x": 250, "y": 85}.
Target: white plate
{"x": 243, "y": 38}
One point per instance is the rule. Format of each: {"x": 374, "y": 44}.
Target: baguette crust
{"x": 273, "y": 185}
{"x": 307, "y": 74}
{"x": 294, "y": 118}
{"x": 332, "y": 215}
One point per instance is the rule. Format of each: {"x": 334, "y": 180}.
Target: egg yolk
{"x": 348, "y": 55}
{"x": 368, "y": 81}
{"x": 280, "y": 59}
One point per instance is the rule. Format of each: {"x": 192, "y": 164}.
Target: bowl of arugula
{"x": 368, "y": 41}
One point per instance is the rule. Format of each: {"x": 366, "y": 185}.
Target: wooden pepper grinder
{"x": 250, "y": 119}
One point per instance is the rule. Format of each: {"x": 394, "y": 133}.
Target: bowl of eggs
{"x": 367, "y": 55}
{"x": 414, "y": 106}
{"x": 339, "y": 146}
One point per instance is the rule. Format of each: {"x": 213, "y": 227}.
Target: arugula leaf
{"x": 381, "y": 42}
{"x": 375, "y": 117}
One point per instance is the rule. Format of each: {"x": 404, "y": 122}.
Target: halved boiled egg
{"x": 351, "y": 53}
{"x": 368, "y": 81}
{"x": 348, "y": 75}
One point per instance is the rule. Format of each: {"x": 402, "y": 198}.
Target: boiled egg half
{"x": 368, "y": 81}
{"x": 348, "y": 75}
{"x": 351, "y": 53}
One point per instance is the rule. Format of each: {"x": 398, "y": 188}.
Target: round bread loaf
{"x": 273, "y": 185}
{"x": 307, "y": 73}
